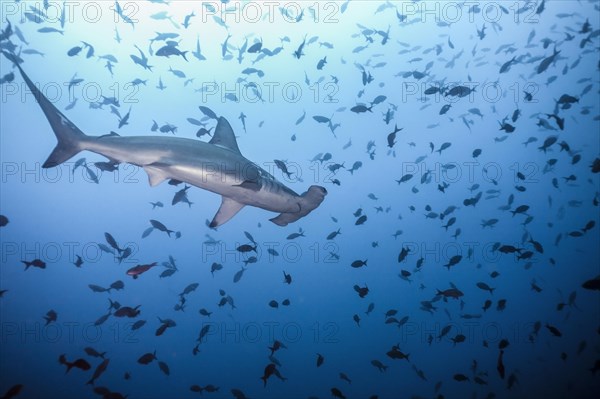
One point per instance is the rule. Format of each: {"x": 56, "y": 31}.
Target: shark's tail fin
{"x": 69, "y": 137}
{"x": 309, "y": 201}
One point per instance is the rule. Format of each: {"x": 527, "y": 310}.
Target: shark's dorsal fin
{"x": 224, "y": 136}
{"x": 227, "y": 210}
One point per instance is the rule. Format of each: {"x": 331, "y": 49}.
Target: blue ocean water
{"x": 459, "y": 146}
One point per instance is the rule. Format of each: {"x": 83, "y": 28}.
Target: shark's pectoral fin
{"x": 156, "y": 174}
{"x": 284, "y": 219}
{"x": 227, "y": 210}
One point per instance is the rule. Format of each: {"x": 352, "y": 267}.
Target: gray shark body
{"x": 216, "y": 166}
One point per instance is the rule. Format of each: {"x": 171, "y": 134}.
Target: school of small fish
{"x": 553, "y": 191}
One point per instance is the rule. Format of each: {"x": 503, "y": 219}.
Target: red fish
{"x": 136, "y": 271}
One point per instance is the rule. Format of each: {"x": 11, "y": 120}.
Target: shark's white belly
{"x": 268, "y": 194}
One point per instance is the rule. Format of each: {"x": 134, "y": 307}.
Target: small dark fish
{"x": 320, "y": 360}
{"x": 138, "y": 324}
{"x": 546, "y": 62}
{"x": 161, "y": 227}
{"x": 169, "y": 50}
{"x": 450, "y": 293}
{"x": 81, "y": 364}
{"x": 74, "y": 51}
{"x": 380, "y": 366}
{"x": 592, "y": 284}
{"x": 589, "y": 225}
{"x": 295, "y": 235}
{"x": 164, "y": 367}
{"x": 487, "y": 305}
{"x": 255, "y": 48}
{"x": 405, "y": 178}
{"x": 362, "y": 291}
{"x": 336, "y": 393}
{"x": 333, "y": 234}
{"x": 453, "y": 261}
{"x": 167, "y": 323}
{"x": 97, "y": 288}
{"x": 458, "y": 339}
{"x": 520, "y": 209}
{"x": 189, "y": 289}
{"x": 246, "y": 248}
{"x": 181, "y": 196}
{"x": 238, "y": 276}
{"x": 249, "y": 236}
{"x": 548, "y": 143}
{"x": 500, "y": 364}
{"x": 3, "y": 220}
{"x": 167, "y": 273}
{"x": 93, "y": 352}
{"x": 208, "y": 112}
{"x": 196, "y": 388}
{"x": 443, "y": 147}
{"x": 147, "y": 358}
{"x": 403, "y": 254}
{"x": 345, "y": 378}
{"x": 361, "y": 108}
{"x": 554, "y": 330}
{"x": 501, "y": 305}
{"x": 215, "y": 267}
{"x": 35, "y": 263}
{"x": 269, "y": 371}
{"x": 361, "y": 220}
{"x": 391, "y": 138}
{"x": 287, "y": 278}
{"x": 14, "y": 390}
{"x": 102, "y": 319}
{"x": 509, "y": 249}
{"x": 485, "y": 287}
{"x": 445, "y": 109}
{"x": 117, "y": 285}
{"x": 99, "y": 371}
{"x": 50, "y": 30}
{"x": 112, "y": 242}
{"x": 78, "y": 262}
{"x": 126, "y": 311}
{"x": 322, "y": 62}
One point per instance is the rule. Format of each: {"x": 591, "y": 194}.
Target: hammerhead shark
{"x": 216, "y": 166}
